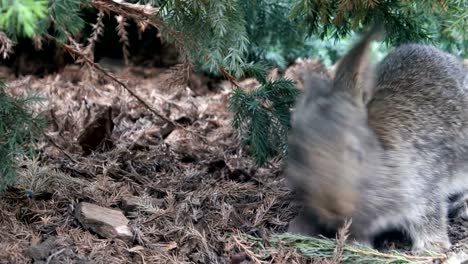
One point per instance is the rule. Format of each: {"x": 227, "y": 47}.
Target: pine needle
{"x": 337, "y": 252}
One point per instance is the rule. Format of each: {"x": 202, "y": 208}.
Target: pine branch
{"x": 98, "y": 30}
{"x": 65, "y": 17}
{"x": 6, "y": 45}
{"x": 20, "y": 17}
{"x": 256, "y": 70}
{"x": 19, "y": 129}
{"x": 333, "y": 249}
{"x": 123, "y": 35}
{"x": 138, "y": 14}
{"x": 263, "y": 117}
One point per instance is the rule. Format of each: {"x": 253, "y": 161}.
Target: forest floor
{"x": 200, "y": 198}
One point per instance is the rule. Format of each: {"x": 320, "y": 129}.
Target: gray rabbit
{"x": 384, "y": 148}
{"x": 458, "y": 206}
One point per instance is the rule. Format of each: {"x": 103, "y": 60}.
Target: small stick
{"x": 55, "y": 254}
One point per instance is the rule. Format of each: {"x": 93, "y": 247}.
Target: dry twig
{"x": 6, "y": 45}
{"x": 123, "y": 35}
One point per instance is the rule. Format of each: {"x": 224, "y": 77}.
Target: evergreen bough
{"x": 19, "y": 129}
{"x": 324, "y": 250}
{"x": 436, "y": 21}
{"x": 32, "y": 18}
{"x": 263, "y": 114}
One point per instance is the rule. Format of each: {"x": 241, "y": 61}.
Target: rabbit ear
{"x": 354, "y": 74}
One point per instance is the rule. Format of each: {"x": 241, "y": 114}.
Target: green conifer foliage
{"x": 29, "y": 18}
{"x": 19, "y": 129}
{"x": 437, "y": 21}
{"x": 263, "y": 115}
{"x": 21, "y": 16}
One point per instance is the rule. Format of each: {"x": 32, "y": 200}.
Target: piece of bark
{"x": 106, "y": 222}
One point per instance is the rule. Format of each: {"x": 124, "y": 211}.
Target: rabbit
{"x": 383, "y": 146}
{"x": 458, "y": 206}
